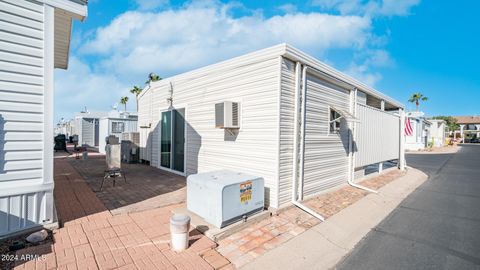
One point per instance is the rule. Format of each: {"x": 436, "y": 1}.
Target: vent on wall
{"x": 227, "y": 115}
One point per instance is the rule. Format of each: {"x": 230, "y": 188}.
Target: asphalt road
{"x": 435, "y": 227}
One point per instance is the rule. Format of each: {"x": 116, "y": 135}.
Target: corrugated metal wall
{"x": 21, "y": 91}
{"x": 88, "y": 131}
{"x": 22, "y": 211}
{"x": 377, "y": 136}
{"x": 254, "y": 82}
{"x": 22, "y": 117}
{"x": 325, "y": 155}
{"x": 287, "y": 114}
{"x": 145, "y": 114}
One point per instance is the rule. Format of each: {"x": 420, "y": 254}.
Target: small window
{"x": 334, "y": 122}
{"x": 118, "y": 127}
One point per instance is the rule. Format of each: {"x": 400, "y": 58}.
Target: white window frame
{"x": 159, "y": 135}
{"x": 117, "y": 124}
{"x": 335, "y": 121}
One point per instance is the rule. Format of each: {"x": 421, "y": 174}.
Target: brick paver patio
{"x": 146, "y": 188}
{"x": 250, "y": 243}
{"x": 93, "y": 238}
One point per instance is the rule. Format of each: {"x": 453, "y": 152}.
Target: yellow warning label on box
{"x": 245, "y": 192}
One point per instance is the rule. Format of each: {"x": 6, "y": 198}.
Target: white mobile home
{"x": 34, "y": 39}
{"x": 420, "y": 136}
{"x": 287, "y": 117}
{"x": 87, "y": 127}
{"x": 115, "y": 124}
{"x": 438, "y": 130}
{"x": 65, "y": 127}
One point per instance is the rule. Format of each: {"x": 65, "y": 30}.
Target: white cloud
{"x": 172, "y": 41}
{"x": 79, "y": 86}
{"x": 362, "y": 73}
{"x": 150, "y": 4}
{"x": 370, "y": 7}
{"x": 288, "y": 8}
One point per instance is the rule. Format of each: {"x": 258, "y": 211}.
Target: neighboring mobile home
{"x": 438, "y": 130}
{"x": 34, "y": 39}
{"x": 276, "y": 113}
{"x": 87, "y": 128}
{"x": 421, "y": 132}
{"x": 115, "y": 124}
{"x": 66, "y": 128}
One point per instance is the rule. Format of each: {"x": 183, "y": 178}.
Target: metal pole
{"x": 401, "y": 154}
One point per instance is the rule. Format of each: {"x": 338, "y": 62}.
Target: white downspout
{"x": 303, "y": 98}
{"x": 351, "y": 139}
{"x": 296, "y": 160}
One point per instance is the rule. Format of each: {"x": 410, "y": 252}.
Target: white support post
{"x": 461, "y": 133}
{"x": 401, "y": 154}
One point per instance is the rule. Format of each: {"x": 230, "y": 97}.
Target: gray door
{"x": 97, "y": 132}
{"x": 87, "y": 131}
{"x": 172, "y": 140}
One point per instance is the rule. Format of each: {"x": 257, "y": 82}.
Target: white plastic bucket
{"x": 179, "y": 228}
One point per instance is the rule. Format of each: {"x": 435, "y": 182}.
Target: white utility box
{"x": 223, "y": 197}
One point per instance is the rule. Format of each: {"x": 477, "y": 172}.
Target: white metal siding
{"x": 22, "y": 211}
{"x": 254, "y": 82}
{"x": 88, "y": 131}
{"x": 287, "y": 110}
{"x": 21, "y": 89}
{"x": 145, "y": 115}
{"x": 105, "y": 127}
{"x": 326, "y": 156}
{"x": 25, "y": 162}
{"x": 377, "y": 136}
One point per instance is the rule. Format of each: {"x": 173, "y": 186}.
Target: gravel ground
{"x": 6, "y": 243}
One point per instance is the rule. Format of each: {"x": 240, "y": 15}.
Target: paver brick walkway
{"x": 92, "y": 238}
{"x": 250, "y": 243}
{"x": 146, "y": 187}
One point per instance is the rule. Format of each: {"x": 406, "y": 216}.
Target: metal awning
{"x": 350, "y": 118}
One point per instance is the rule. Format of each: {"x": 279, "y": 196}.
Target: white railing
{"x": 377, "y": 136}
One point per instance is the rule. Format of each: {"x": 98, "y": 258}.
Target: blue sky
{"x": 398, "y": 47}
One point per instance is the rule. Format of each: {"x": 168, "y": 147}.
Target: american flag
{"x": 408, "y": 127}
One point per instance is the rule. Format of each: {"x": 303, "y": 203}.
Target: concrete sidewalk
{"x": 324, "y": 245}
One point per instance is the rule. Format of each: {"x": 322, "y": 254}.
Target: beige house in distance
{"x": 469, "y": 127}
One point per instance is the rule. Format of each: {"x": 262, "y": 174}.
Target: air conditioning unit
{"x": 227, "y": 115}
{"x": 130, "y": 147}
{"x": 224, "y": 197}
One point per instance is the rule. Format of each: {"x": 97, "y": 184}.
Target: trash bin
{"x": 179, "y": 228}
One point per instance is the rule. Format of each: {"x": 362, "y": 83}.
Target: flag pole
{"x": 401, "y": 154}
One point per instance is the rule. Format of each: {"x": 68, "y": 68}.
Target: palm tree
{"x": 136, "y": 91}
{"x": 416, "y": 98}
{"x": 152, "y": 77}
{"x": 124, "y": 101}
